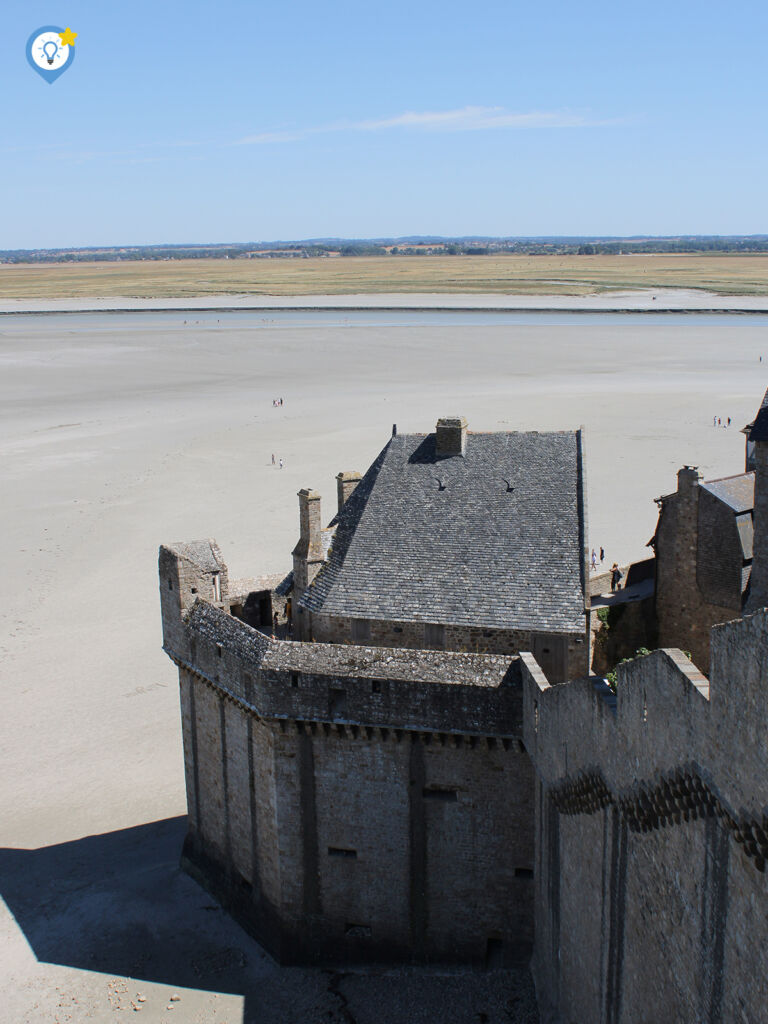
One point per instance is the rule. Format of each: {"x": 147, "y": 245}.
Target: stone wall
{"x": 651, "y": 839}
{"x": 563, "y": 655}
{"x": 356, "y": 803}
{"x": 684, "y": 615}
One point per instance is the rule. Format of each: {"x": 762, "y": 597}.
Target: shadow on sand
{"x": 119, "y": 904}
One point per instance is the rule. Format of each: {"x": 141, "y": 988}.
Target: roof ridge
{"x": 733, "y": 476}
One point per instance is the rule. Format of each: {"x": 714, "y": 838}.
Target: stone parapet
{"x": 652, "y": 835}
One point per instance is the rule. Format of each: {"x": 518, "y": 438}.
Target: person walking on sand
{"x": 602, "y": 555}
{"x": 273, "y": 458}
{"x": 594, "y": 560}
{"x": 616, "y": 575}
{"x": 281, "y": 463}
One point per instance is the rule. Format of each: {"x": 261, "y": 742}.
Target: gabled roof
{"x": 492, "y": 538}
{"x": 738, "y": 492}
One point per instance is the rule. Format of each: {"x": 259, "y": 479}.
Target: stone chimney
{"x": 345, "y": 485}
{"x": 451, "y": 436}
{"x": 308, "y": 553}
{"x": 758, "y": 580}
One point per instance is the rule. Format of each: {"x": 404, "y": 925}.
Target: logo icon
{"x": 50, "y": 51}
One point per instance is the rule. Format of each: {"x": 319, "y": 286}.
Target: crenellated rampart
{"x": 652, "y": 836}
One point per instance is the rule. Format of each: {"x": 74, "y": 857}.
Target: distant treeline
{"x": 411, "y": 246}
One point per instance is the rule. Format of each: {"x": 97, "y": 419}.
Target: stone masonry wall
{"x": 651, "y": 837}
{"x": 353, "y": 804}
{"x": 684, "y": 616}
{"x": 564, "y": 656}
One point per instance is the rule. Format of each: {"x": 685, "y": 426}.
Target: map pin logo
{"x": 50, "y": 51}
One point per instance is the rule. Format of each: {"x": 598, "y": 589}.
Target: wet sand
{"x": 123, "y": 432}
{"x": 681, "y": 300}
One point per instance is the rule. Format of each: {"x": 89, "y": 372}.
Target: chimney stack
{"x": 308, "y": 555}
{"x": 451, "y": 436}
{"x": 345, "y": 485}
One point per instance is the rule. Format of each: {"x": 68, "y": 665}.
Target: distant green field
{"x": 728, "y": 274}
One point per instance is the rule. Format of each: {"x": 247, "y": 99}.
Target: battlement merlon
{"x": 440, "y": 692}
{"x": 665, "y": 715}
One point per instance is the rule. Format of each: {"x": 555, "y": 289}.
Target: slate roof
{"x": 203, "y": 553}
{"x": 493, "y": 538}
{"x": 738, "y": 492}
{"x": 444, "y": 667}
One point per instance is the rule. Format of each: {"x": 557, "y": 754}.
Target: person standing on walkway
{"x": 616, "y": 575}
{"x": 602, "y": 554}
{"x": 273, "y": 458}
{"x": 281, "y": 463}
{"x": 594, "y": 560}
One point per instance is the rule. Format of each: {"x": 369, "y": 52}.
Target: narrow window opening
{"x": 218, "y": 649}
{"x": 523, "y": 872}
{"x": 357, "y": 931}
{"x": 446, "y": 796}
{"x": 494, "y": 954}
{"x": 217, "y": 586}
{"x": 361, "y": 631}
{"x": 170, "y": 584}
{"x": 338, "y": 703}
{"x": 341, "y": 851}
{"x": 294, "y": 680}
{"x": 521, "y": 747}
{"x": 397, "y": 629}
{"x": 193, "y": 589}
{"x": 375, "y": 686}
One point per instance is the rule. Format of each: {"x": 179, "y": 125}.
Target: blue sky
{"x": 238, "y": 121}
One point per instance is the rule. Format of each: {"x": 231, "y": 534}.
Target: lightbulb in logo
{"x": 51, "y": 50}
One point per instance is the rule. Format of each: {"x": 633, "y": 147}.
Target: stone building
{"x": 357, "y": 802}
{"x": 454, "y": 541}
{"x": 350, "y": 803}
{"x": 703, "y": 545}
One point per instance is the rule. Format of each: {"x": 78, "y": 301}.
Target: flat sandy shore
{"x": 120, "y": 432}
{"x": 650, "y": 300}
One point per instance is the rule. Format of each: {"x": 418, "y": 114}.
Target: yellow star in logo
{"x": 67, "y": 37}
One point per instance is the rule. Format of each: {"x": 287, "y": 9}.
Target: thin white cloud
{"x": 464, "y": 119}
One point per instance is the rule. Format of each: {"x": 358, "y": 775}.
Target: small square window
{"x": 361, "y": 631}
{"x": 434, "y": 636}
